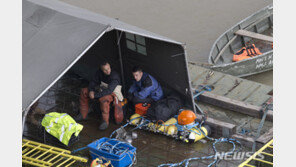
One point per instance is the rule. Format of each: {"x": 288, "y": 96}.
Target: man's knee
{"x": 102, "y": 100}
{"x": 105, "y": 103}
{"x": 84, "y": 92}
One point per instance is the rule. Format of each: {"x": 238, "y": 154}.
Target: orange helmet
{"x": 186, "y": 117}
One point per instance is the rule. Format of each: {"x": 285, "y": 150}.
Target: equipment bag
{"x": 165, "y": 108}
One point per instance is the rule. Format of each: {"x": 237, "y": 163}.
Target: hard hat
{"x": 186, "y": 117}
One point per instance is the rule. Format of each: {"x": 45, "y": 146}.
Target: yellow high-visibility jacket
{"x": 61, "y": 126}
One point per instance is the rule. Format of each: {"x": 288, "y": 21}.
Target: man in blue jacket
{"x": 145, "y": 88}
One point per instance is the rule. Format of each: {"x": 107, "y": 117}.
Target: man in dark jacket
{"x": 109, "y": 90}
{"x": 145, "y": 88}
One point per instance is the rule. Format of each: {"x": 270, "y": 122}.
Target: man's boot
{"x": 105, "y": 108}
{"x": 105, "y": 122}
{"x": 78, "y": 118}
{"x": 104, "y": 125}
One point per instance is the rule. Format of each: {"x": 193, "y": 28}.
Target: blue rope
{"x": 117, "y": 129}
{"x": 140, "y": 125}
{"x": 79, "y": 149}
{"x": 216, "y": 141}
{"x": 220, "y": 140}
{"x": 201, "y": 91}
{"x": 244, "y": 131}
{"x": 120, "y": 151}
{"x": 196, "y": 132}
{"x": 186, "y": 127}
{"x": 114, "y": 149}
{"x": 146, "y": 121}
{"x": 182, "y": 128}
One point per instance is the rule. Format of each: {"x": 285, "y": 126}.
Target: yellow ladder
{"x": 266, "y": 150}
{"x": 38, "y": 154}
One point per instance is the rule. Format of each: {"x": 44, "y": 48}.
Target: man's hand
{"x": 91, "y": 94}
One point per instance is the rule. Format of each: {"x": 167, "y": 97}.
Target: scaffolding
{"x": 255, "y": 161}
{"x": 38, "y": 154}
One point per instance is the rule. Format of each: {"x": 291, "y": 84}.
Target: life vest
{"x": 246, "y": 52}
{"x": 61, "y": 126}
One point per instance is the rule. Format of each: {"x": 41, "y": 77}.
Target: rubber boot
{"x": 103, "y": 126}
{"x": 84, "y": 107}
{"x": 105, "y": 108}
{"x": 118, "y": 111}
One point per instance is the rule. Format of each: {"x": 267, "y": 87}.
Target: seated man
{"x": 109, "y": 84}
{"x": 145, "y": 88}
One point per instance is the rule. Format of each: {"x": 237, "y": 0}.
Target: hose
{"x": 186, "y": 162}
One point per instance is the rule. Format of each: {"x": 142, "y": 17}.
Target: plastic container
{"x": 123, "y": 160}
{"x": 141, "y": 109}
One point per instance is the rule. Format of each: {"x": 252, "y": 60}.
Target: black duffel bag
{"x": 165, "y": 108}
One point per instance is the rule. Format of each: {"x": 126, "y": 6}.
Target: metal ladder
{"x": 38, "y": 154}
{"x": 266, "y": 150}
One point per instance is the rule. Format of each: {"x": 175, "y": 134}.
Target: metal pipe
{"x": 24, "y": 119}
{"x": 37, "y": 161}
{"x": 120, "y": 59}
{"x": 58, "y": 160}
{"x": 69, "y": 163}
{"x": 64, "y": 154}
{"x": 47, "y": 146}
{"x": 32, "y": 163}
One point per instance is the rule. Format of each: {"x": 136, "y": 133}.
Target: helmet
{"x": 186, "y": 117}
{"x": 96, "y": 162}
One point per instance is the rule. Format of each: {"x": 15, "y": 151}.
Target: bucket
{"x": 117, "y": 160}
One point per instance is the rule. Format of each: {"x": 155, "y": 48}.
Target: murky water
{"x": 198, "y": 23}
{"x": 264, "y": 78}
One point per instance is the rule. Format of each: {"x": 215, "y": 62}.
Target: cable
{"x": 216, "y": 141}
{"x": 220, "y": 140}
